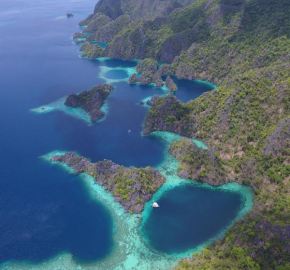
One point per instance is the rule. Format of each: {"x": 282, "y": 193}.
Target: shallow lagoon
{"x": 51, "y": 219}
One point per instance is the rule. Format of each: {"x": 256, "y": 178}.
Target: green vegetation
{"x": 243, "y": 46}
{"x": 132, "y": 187}
{"x": 198, "y": 163}
{"x": 246, "y": 124}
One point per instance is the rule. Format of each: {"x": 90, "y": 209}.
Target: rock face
{"x": 166, "y": 70}
{"x": 153, "y": 100}
{"x": 131, "y": 187}
{"x": 170, "y": 85}
{"x": 110, "y": 30}
{"x": 133, "y": 79}
{"x": 91, "y": 101}
{"x": 111, "y": 8}
{"x": 91, "y": 50}
{"x": 167, "y": 115}
{"x": 78, "y": 35}
{"x": 149, "y": 73}
{"x": 98, "y": 21}
{"x": 147, "y": 65}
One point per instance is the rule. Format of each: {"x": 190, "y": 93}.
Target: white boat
{"x": 155, "y": 205}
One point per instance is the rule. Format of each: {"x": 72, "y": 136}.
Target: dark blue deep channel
{"x": 44, "y": 211}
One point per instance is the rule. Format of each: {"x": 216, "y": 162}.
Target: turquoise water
{"x": 101, "y": 44}
{"x": 50, "y": 218}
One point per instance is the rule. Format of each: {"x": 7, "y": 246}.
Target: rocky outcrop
{"x": 153, "y": 100}
{"x": 134, "y": 26}
{"x": 86, "y": 21}
{"x": 197, "y": 163}
{"x": 78, "y": 35}
{"x": 188, "y": 72}
{"x": 167, "y": 115}
{"x": 91, "y": 101}
{"x": 147, "y": 65}
{"x": 170, "y": 84}
{"x": 109, "y": 31}
{"x": 165, "y": 70}
{"x": 131, "y": 187}
{"x": 133, "y": 79}
{"x": 91, "y": 50}
{"x": 148, "y": 69}
{"x": 111, "y": 8}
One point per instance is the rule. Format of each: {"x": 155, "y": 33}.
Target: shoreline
{"x": 131, "y": 248}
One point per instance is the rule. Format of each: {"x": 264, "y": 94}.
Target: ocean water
{"x": 51, "y": 219}
{"x": 199, "y": 214}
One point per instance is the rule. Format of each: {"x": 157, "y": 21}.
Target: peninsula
{"x": 131, "y": 187}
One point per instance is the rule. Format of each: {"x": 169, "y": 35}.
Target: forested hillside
{"x": 243, "y": 46}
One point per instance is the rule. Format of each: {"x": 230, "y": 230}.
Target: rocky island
{"x": 91, "y": 101}
{"x": 131, "y": 187}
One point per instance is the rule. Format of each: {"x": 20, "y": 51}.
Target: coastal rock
{"x": 92, "y": 50}
{"x": 153, "y": 100}
{"x": 111, "y": 8}
{"x": 158, "y": 80}
{"x": 170, "y": 85}
{"x": 131, "y": 187}
{"x": 91, "y": 101}
{"x": 145, "y": 78}
{"x": 110, "y": 30}
{"x": 86, "y": 21}
{"x": 167, "y": 114}
{"x": 78, "y": 35}
{"x": 148, "y": 69}
{"x": 148, "y": 65}
{"x": 165, "y": 70}
{"x": 188, "y": 72}
{"x": 133, "y": 79}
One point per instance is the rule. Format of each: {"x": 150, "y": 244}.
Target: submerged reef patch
{"x": 105, "y": 71}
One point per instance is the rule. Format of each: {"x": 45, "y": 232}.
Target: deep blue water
{"x": 116, "y": 74}
{"x": 188, "y": 216}
{"x": 188, "y": 90}
{"x": 45, "y": 211}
